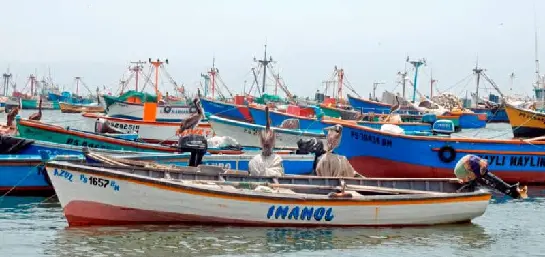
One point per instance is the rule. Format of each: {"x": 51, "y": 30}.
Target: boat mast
{"x": 477, "y": 71}
{"x": 340, "y": 78}
{"x": 7, "y": 78}
{"x": 32, "y": 80}
{"x": 432, "y": 81}
{"x": 538, "y": 77}
{"x": 212, "y": 72}
{"x": 416, "y": 65}
{"x": 157, "y": 64}
{"x": 206, "y": 83}
{"x": 77, "y": 85}
{"x": 375, "y": 85}
{"x": 137, "y": 68}
{"x": 265, "y": 63}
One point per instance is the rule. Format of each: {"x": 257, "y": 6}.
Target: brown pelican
{"x": 38, "y": 115}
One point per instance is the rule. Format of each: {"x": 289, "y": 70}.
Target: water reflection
{"x": 190, "y": 241}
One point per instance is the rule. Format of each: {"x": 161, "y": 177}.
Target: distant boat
{"x": 32, "y": 104}
{"x": 246, "y": 133}
{"x": 130, "y": 105}
{"x": 149, "y": 131}
{"x": 79, "y": 108}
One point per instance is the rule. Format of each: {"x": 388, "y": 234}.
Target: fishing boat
{"x": 234, "y": 111}
{"x": 149, "y": 131}
{"x": 79, "y": 108}
{"x": 247, "y": 133}
{"x": 525, "y": 123}
{"x": 98, "y": 195}
{"x": 130, "y": 105}
{"x": 308, "y": 121}
{"x": 22, "y": 172}
{"x": 385, "y": 155}
{"x": 25, "y": 174}
{"x": 57, "y": 134}
{"x": 33, "y": 104}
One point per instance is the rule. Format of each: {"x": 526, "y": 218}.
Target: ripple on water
{"x": 31, "y": 227}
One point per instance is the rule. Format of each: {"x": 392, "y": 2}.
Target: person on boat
{"x": 266, "y": 163}
{"x": 331, "y": 164}
{"x": 472, "y": 170}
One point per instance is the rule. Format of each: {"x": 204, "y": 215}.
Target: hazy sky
{"x": 369, "y": 39}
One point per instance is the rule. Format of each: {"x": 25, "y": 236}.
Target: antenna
{"x": 536, "y": 50}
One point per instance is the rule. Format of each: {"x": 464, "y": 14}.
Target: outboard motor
{"x": 196, "y": 145}
{"x": 474, "y": 171}
{"x": 102, "y": 126}
{"x": 445, "y": 127}
{"x": 313, "y": 146}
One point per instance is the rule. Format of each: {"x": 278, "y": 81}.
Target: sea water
{"x": 35, "y": 226}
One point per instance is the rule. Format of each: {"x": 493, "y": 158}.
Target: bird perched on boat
{"x": 393, "y": 117}
{"x": 37, "y": 116}
{"x": 331, "y": 164}
{"x": 267, "y": 163}
{"x": 11, "y": 116}
{"x": 193, "y": 120}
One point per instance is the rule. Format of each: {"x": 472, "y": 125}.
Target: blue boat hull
{"x": 224, "y": 110}
{"x": 471, "y": 121}
{"x": 498, "y": 115}
{"x": 379, "y": 154}
{"x": 312, "y": 124}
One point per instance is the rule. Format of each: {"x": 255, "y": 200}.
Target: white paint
{"x": 136, "y": 111}
{"x": 148, "y": 130}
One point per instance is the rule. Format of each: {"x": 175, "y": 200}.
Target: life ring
{"x": 167, "y": 109}
{"x": 447, "y": 158}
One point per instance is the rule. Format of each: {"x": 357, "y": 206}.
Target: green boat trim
{"x": 56, "y": 134}
{"x": 32, "y": 104}
{"x": 144, "y": 97}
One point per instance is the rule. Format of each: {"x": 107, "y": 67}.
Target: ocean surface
{"x": 35, "y": 226}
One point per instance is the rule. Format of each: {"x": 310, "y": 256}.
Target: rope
{"x": 19, "y": 182}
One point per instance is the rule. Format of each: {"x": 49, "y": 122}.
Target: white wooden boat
{"x": 116, "y": 195}
{"x": 149, "y": 131}
{"x": 246, "y": 133}
{"x": 135, "y": 111}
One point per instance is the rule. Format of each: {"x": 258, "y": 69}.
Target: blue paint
{"x": 306, "y": 213}
{"x": 298, "y": 213}
{"x": 63, "y": 174}
{"x": 281, "y": 211}
{"x": 471, "y": 121}
{"x": 329, "y": 214}
{"x": 294, "y": 213}
{"x": 319, "y": 213}
{"x": 222, "y": 109}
